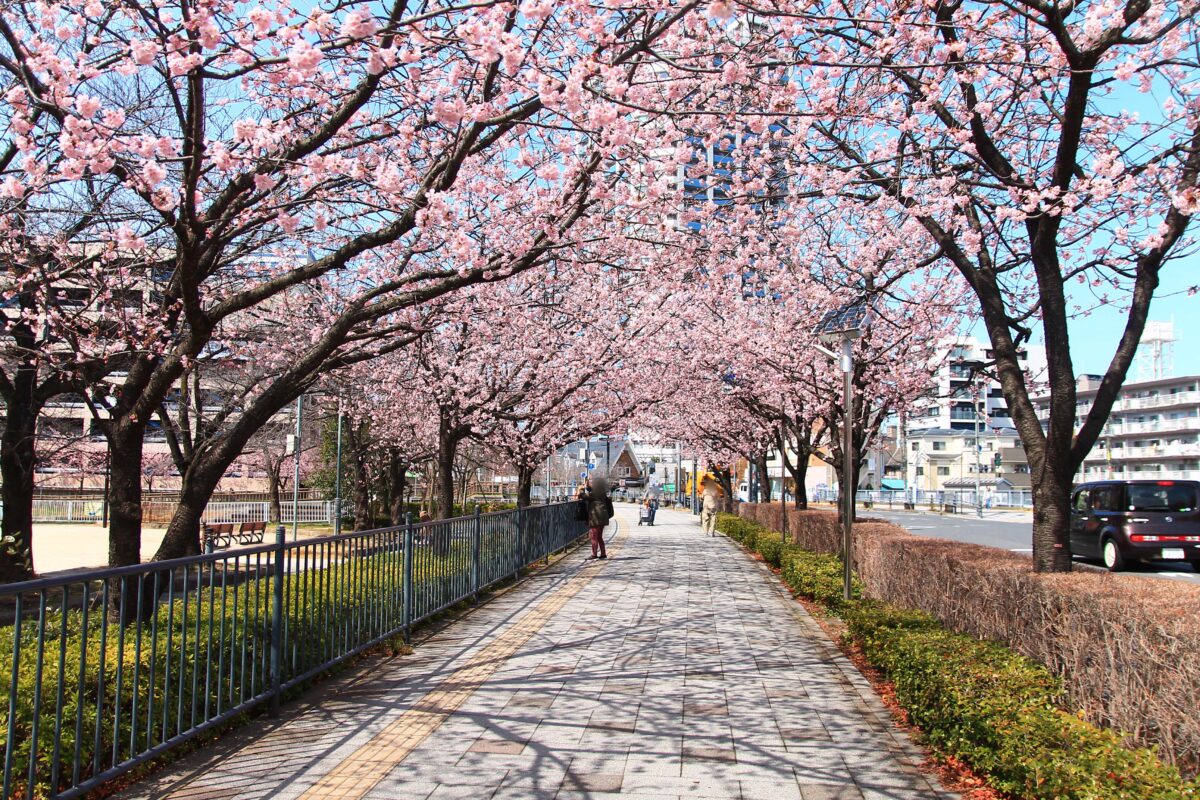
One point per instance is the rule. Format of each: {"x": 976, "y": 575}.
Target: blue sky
{"x": 1094, "y": 337}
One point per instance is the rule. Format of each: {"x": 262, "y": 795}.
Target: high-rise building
{"x": 955, "y": 397}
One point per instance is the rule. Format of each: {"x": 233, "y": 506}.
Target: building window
{"x": 941, "y": 471}
{"x": 939, "y": 445}
{"x": 920, "y": 470}
{"x": 916, "y": 446}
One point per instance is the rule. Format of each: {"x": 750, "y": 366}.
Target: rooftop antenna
{"x": 1156, "y": 353}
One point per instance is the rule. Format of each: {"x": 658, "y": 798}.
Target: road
{"x": 1008, "y": 531}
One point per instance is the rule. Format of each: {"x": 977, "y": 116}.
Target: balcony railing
{"x": 1156, "y": 451}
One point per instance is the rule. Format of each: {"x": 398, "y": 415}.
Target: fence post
{"x": 476, "y": 554}
{"x": 520, "y": 561}
{"x": 406, "y": 596}
{"x": 277, "y": 620}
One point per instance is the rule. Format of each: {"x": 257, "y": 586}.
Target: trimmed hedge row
{"x": 977, "y": 700}
{"x": 1126, "y": 648}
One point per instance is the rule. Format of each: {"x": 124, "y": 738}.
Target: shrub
{"x": 738, "y": 529}
{"x": 1000, "y": 713}
{"x": 196, "y": 655}
{"x": 770, "y": 546}
{"x": 817, "y": 577}
{"x": 1124, "y": 646}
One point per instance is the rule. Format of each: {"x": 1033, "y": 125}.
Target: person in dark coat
{"x": 599, "y": 513}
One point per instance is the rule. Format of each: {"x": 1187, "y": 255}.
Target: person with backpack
{"x": 599, "y": 512}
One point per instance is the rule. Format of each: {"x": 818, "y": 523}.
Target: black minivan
{"x": 1120, "y": 522}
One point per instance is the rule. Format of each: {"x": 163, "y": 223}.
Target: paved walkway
{"x": 677, "y": 668}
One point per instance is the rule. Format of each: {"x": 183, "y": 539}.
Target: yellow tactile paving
{"x": 363, "y": 769}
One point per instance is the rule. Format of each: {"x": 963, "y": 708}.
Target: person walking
{"x": 600, "y": 511}
{"x": 652, "y": 503}
{"x": 711, "y": 505}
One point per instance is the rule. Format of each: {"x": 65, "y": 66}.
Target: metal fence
{"x": 111, "y": 668}
{"x": 944, "y": 500}
{"x": 161, "y": 511}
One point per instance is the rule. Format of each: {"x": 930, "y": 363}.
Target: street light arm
{"x": 827, "y": 351}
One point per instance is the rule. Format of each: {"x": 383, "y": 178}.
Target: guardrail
{"x": 960, "y": 499}
{"x": 112, "y": 668}
{"x": 160, "y": 512}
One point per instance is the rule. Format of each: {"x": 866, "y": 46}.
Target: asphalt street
{"x": 1011, "y": 534}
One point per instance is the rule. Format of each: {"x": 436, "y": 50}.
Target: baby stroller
{"x": 644, "y": 515}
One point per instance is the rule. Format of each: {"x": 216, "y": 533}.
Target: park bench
{"x": 251, "y": 532}
{"x": 220, "y": 534}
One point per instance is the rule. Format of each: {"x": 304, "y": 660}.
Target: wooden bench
{"x": 220, "y": 534}
{"x": 251, "y": 532}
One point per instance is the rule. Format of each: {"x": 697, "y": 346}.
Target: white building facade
{"x": 955, "y": 397}
{"x": 1153, "y": 432}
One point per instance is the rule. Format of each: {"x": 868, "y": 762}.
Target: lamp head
{"x": 847, "y": 322}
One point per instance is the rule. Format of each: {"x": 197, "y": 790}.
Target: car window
{"x": 1106, "y": 498}
{"x": 1161, "y": 497}
{"x": 1081, "y": 500}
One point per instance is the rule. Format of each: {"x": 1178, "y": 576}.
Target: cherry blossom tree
{"x": 1050, "y": 155}
{"x": 378, "y": 155}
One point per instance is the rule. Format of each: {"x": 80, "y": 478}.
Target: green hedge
{"x": 325, "y": 609}
{"x": 977, "y": 701}
{"x": 818, "y": 577}
{"x": 999, "y": 712}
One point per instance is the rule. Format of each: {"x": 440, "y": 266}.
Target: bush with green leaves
{"x": 818, "y": 577}
{"x": 1001, "y": 713}
{"x": 740, "y": 530}
{"x": 191, "y": 657}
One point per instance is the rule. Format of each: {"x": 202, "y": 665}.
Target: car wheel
{"x": 1111, "y": 555}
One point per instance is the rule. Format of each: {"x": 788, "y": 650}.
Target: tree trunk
{"x": 764, "y": 480}
{"x": 1051, "y": 526}
{"x": 125, "y": 492}
{"x": 183, "y": 532}
{"x": 274, "y": 468}
{"x": 725, "y": 478}
{"x": 447, "y": 450}
{"x": 362, "y": 498}
{"x": 524, "y": 486}
{"x": 16, "y": 468}
{"x": 397, "y": 483}
{"x": 798, "y": 469}
{"x": 799, "y": 472}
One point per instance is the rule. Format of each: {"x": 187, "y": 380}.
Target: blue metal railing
{"x": 114, "y": 667}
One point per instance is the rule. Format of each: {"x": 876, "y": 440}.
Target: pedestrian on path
{"x": 711, "y": 505}
{"x": 600, "y": 511}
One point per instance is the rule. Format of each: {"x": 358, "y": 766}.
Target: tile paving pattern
{"x": 676, "y": 669}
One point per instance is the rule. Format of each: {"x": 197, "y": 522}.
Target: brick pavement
{"x": 678, "y": 668}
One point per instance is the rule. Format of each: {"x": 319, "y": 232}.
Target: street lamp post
{"x": 296, "y": 471}
{"x": 337, "y": 480}
{"x": 846, "y": 324}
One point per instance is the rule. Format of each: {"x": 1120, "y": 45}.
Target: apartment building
{"x": 955, "y": 397}
{"x": 1152, "y": 433}
{"x": 945, "y": 459}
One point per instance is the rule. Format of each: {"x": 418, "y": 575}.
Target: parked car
{"x": 1121, "y": 522}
